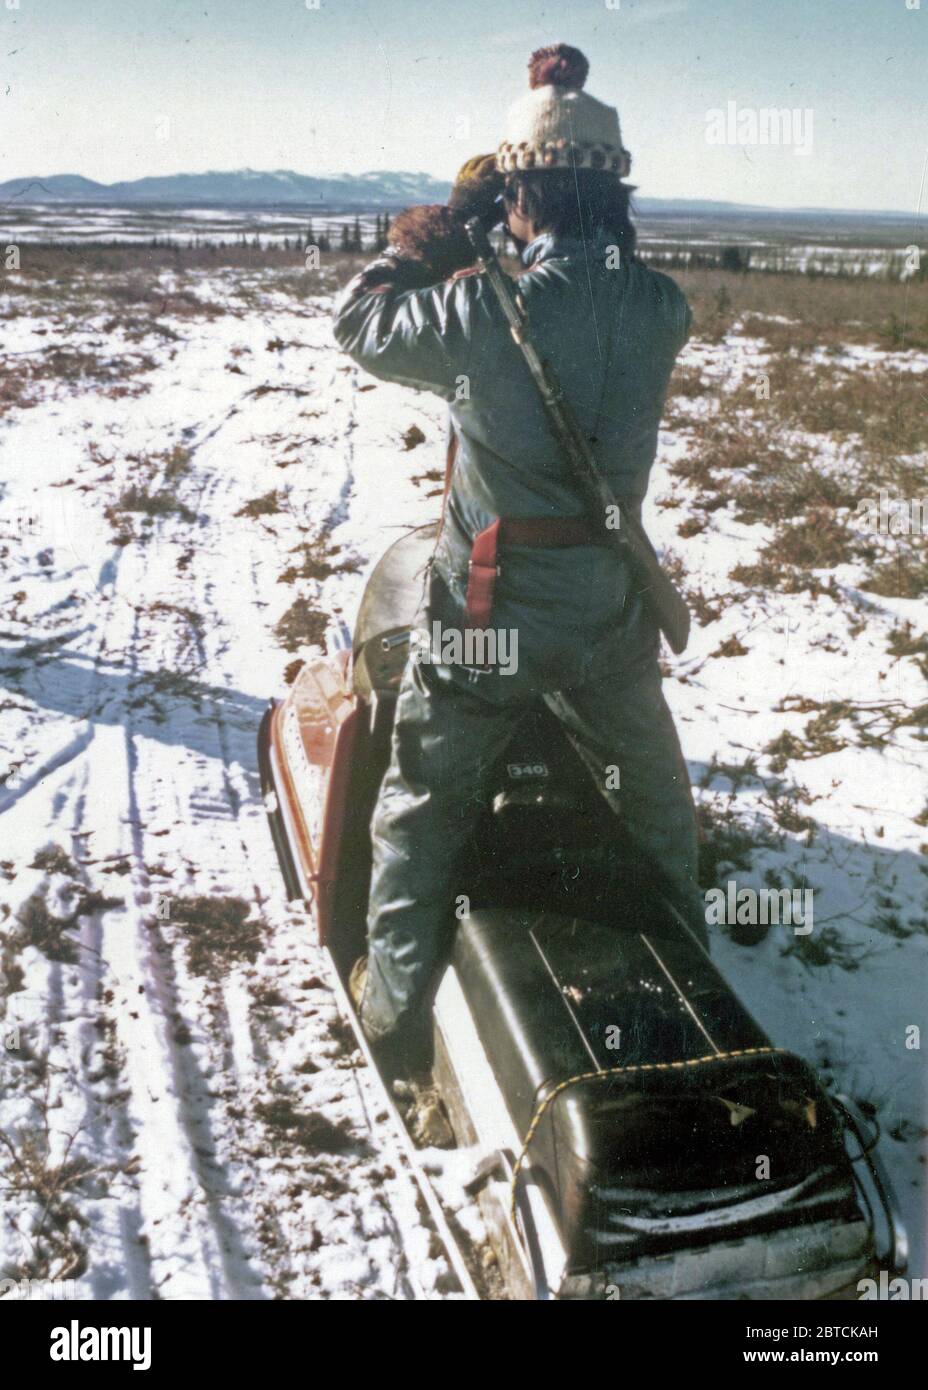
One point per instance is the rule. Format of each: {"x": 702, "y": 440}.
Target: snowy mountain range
{"x": 371, "y": 190}
{"x": 380, "y": 188}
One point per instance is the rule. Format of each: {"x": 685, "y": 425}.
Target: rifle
{"x": 629, "y": 538}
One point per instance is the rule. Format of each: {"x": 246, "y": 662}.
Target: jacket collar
{"x": 549, "y": 246}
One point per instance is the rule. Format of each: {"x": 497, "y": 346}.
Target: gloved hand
{"x": 394, "y": 268}
{"x": 476, "y": 191}
{"x": 428, "y": 243}
{"x": 433, "y": 238}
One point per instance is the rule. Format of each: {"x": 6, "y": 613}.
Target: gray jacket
{"x": 612, "y": 333}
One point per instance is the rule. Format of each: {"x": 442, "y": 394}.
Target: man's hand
{"x": 477, "y": 190}
{"x": 429, "y": 243}
{"x": 393, "y": 270}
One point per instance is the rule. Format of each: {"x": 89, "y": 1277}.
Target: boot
{"x": 356, "y": 982}
{"x": 419, "y": 1100}
{"x": 423, "y": 1111}
{"x": 399, "y": 1053}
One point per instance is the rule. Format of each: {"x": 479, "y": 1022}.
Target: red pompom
{"x": 559, "y": 65}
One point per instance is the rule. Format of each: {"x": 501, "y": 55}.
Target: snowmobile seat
{"x": 540, "y": 776}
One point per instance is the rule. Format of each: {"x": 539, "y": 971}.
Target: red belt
{"x": 540, "y": 531}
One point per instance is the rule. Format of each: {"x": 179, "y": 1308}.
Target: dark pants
{"x": 450, "y": 732}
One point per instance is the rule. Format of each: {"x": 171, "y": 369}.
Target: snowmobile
{"x": 635, "y": 1133}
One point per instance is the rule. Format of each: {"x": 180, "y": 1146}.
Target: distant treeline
{"x": 779, "y": 261}
{"x": 349, "y": 238}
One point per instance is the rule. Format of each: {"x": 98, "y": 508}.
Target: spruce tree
{"x": 381, "y": 236}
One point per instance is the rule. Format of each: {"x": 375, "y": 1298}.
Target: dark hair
{"x": 575, "y": 203}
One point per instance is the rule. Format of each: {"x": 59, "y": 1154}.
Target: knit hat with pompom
{"x": 559, "y": 126}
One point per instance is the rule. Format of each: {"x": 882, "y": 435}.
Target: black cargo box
{"x": 668, "y": 1151}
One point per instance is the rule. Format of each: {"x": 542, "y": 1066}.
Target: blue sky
{"x": 123, "y": 88}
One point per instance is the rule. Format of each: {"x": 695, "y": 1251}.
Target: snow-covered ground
{"x": 183, "y": 1114}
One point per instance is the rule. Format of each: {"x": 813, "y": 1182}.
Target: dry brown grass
{"x": 268, "y": 505}
{"x": 160, "y": 503}
{"x": 36, "y": 925}
{"x": 904, "y": 575}
{"x": 317, "y": 560}
{"x": 25, "y": 378}
{"x": 882, "y": 407}
{"x": 301, "y": 626}
{"x": 56, "y": 1246}
{"x": 152, "y": 494}
{"x": 827, "y": 312}
{"x": 219, "y": 933}
{"x": 839, "y": 724}
{"x": 44, "y": 264}
{"x": 827, "y": 439}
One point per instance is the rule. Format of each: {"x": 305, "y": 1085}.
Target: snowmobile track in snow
{"x": 155, "y": 799}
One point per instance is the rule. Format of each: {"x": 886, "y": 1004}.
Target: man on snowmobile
{"x": 587, "y": 644}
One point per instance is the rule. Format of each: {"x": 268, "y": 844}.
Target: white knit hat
{"x": 559, "y": 126}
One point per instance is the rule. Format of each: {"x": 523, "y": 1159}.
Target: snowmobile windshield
{"x": 392, "y": 598}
